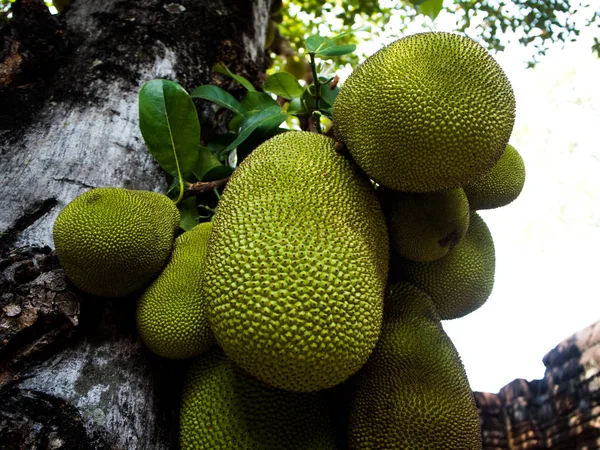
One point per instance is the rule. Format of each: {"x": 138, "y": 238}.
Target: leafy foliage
{"x": 170, "y": 126}
{"x": 537, "y": 23}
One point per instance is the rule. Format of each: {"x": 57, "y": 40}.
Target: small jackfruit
{"x": 224, "y": 408}
{"x": 425, "y": 226}
{"x": 298, "y": 263}
{"x": 413, "y": 391}
{"x": 460, "y": 282}
{"x": 172, "y": 317}
{"x": 501, "y": 185}
{"x": 431, "y": 111}
{"x": 113, "y": 241}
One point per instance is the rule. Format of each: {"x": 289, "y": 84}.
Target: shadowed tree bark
{"x": 73, "y": 374}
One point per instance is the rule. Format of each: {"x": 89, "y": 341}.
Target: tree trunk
{"x": 73, "y": 374}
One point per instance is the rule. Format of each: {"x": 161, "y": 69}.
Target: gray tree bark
{"x": 73, "y": 374}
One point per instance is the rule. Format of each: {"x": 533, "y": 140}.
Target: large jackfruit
{"x": 431, "y": 111}
{"x": 224, "y": 408}
{"x": 460, "y": 282}
{"x": 425, "y": 226}
{"x": 501, "y": 185}
{"x": 413, "y": 392}
{"x": 172, "y": 317}
{"x": 113, "y": 241}
{"x": 298, "y": 261}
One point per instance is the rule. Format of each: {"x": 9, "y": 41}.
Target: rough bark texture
{"x": 560, "y": 411}
{"x": 73, "y": 374}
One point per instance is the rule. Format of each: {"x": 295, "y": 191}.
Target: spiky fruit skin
{"x": 425, "y": 226}
{"x": 501, "y": 185}
{"x": 224, "y": 408}
{"x": 172, "y": 317}
{"x": 413, "y": 392}
{"x": 299, "y": 258}
{"x": 431, "y": 111}
{"x": 114, "y": 241}
{"x": 460, "y": 282}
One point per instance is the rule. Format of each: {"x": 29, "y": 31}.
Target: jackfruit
{"x": 501, "y": 185}
{"x": 172, "y": 317}
{"x": 114, "y": 241}
{"x": 425, "y": 226}
{"x": 224, "y": 408}
{"x": 413, "y": 391}
{"x": 460, "y": 282}
{"x": 431, "y": 111}
{"x": 298, "y": 261}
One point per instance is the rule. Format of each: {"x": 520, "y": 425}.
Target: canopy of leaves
{"x": 535, "y": 23}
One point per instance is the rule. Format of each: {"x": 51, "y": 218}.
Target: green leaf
{"x": 206, "y": 161}
{"x": 328, "y": 95}
{"x": 170, "y": 127}
{"x": 254, "y": 102}
{"x": 173, "y": 188}
{"x": 327, "y": 112}
{"x": 309, "y": 99}
{"x": 336, "y": 50}
{"x": 284, "y": 85}
{"x": 266, "y": 118}
{"x": 188, "y": 213}
{"x": 313, "y": 42}
{"x": 321, "y": 46}
{"x": 349, "y": 32}
{"x": 217, "y": 173}
{"x": 222, "y": 68}
{"x": 219, "y": 143}
{"x": 431, "y": 8}
{"x": 297, "y": 107}
{"x": 217, "y": 95}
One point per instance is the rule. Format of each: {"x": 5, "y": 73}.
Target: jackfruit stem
{"x": 208, "y": 208}
{"x": 313, "y": 67}
{"x": 204, "y": 186}
{"x": 181, "y": 191}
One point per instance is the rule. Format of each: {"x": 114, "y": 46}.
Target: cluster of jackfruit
{"x": 312, "y": 304}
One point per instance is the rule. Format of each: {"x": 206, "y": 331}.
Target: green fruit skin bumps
{"x": 298, "y": 263}
{"x": 501, "y": 185}
{"x": 425, "y": 226}
{"x": 114, "y": 241}
{"x": 462, "y": 281}
{"x": 431, "y": 111}
{"x": 224, "y": 408}
{"x": 172, "y": 317}
{"x": 413, "y": 393}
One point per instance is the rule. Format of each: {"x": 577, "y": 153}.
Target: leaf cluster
{"x": 170, "y": 125}
{"x": 537, "y": 23}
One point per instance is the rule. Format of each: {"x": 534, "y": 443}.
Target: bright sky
{"x": 547, "y": 241}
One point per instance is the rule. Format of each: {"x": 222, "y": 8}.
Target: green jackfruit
{"x": 172, "y": 317}
{"x": 114, "y": 241}
{"x": 224, "y": 408}
{"x": 431, "y": 111}
{"x": 425, "y": 227}
{"x": 299, "y": 259}
{"x": 460, "y": 282}
{"x": 501, "y": 185}
{"x": 413, "y": 393}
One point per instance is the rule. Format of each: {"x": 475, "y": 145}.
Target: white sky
{"x": 547, "y": 241}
